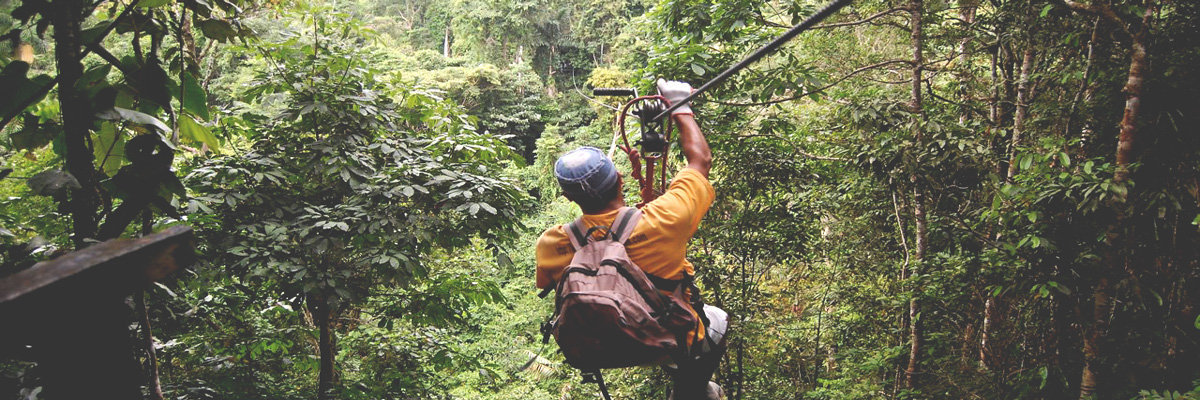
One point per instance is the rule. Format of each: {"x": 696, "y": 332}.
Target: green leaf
{"x": 109, "y": 148}
{"x": 218, "y": 30}
{"x": 194, "y": 99}
{"x": 52, "y": 182}
{"x": 151, "y": 81}
{"x": 172, "y": 185}
{"x": 504, "y": 260}
{"x": 136, "y": 117}
{"x": 488, "y": 207}
{"x": 18, "y": 90}
{"x": 34, "y": 134}
{"x": 697, "y": 69}
{"x": 152, "y": 3}
{"x": 1046, "y": 10}
{"x": 191, "y": 130}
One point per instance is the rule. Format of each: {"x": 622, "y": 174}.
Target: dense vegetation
{"x": 917, "y": 199}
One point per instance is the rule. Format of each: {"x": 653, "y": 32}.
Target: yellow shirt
{"x": 659, "y": 241}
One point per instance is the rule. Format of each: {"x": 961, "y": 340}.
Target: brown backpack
{"x": 608, "y": 313}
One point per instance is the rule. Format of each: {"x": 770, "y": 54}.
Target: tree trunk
{"x": 188, "y": 39}
{"x": 1086, "y": 92}
{"x": 76, "y": 116}
{"x": 1116, "y": 256}
{"x": 1139, "y": 65}
{"x": 967, "y": 9}
{"x": 551, "y": 90}
{"x": 989, "y": 321}
{"x": 1101, "y": 308}
{"x": 1022, "y": 110}
{"x": 922, "y": 243}
{"x": 323, "y": 317}
{"x": 991, "y": 309}
{"x": 152, "y": 381}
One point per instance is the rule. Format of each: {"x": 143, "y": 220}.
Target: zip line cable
{"x": 760, "y": 53}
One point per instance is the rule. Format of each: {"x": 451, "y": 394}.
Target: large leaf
{"x": 151, "y": 81}
{"x": 194, "y": 99}
{"x": 136, "y": 117}
{"x": 34, "y": 134}
{"x": 109, "y": 148}
{"x": 191, "y": 130}
{"x": 218, "y": 30}
{"x": 52, "y": 182}
{"x": 92, "y": 35}
{"x": 20, "y": 91}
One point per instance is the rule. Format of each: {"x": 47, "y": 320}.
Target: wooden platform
{"x": 69, "y": 314}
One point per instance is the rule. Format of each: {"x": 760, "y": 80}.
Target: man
{"x": 658, "y": 243}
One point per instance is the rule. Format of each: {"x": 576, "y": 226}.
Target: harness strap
{"x": 655, "y": 299}
{"x": 621, "y": 228}
{"x": 575, "y": 233}
{"x": 664, "y": 284}
{"x": 625, "y": 222}
{"x": 598, "y": 378}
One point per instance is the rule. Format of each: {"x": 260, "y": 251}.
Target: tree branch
{"x": 107, "y": 56}
{"x": 1102, "y": 10}
{"x": 968, "y": 107}
{"x": 818, "y": 157}
{"x": 861, "y": 21}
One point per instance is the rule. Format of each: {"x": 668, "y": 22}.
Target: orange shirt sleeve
{"x": 553, "y": 253}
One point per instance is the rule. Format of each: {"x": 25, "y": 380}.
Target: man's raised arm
{"x": 694, "y": 147}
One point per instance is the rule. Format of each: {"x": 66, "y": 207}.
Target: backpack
{"x": 608, "y": 313}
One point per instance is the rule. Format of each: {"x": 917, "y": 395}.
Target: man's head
{"x": 589, "y": 178}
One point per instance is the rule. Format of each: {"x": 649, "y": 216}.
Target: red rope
{"x": 646, "y": 182}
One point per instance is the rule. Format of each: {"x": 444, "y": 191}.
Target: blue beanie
{"x": 585, "y": 172}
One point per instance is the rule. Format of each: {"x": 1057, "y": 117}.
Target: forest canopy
{"x": 915, "y": 199}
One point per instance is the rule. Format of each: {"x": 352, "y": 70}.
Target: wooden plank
{"x": 116, "y": 266}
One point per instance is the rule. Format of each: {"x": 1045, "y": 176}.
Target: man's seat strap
{"x": 596, "y": 376}
{"x": 663, "y": 284}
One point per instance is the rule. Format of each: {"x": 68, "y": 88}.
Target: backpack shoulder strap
{"x": 575, "y": 233}
{"x": 623, "y": 224}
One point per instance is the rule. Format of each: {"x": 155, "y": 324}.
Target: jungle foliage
{"x": 918, "y": 199}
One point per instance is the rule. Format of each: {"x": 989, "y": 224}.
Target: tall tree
{"x": 354, "y": 182}
{"x": 916, "y": 335}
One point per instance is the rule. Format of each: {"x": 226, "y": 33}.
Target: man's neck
{"x": 613, "y": 205}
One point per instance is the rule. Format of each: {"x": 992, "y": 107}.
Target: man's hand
{"x": 676, "y": 91}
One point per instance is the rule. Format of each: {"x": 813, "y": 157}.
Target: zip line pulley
{"x": 652, "y": 110}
